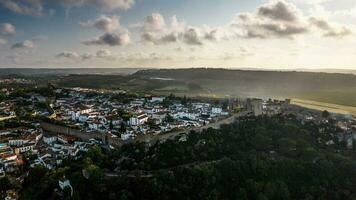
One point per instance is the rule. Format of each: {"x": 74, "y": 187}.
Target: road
{"x": 5, "y": 118}
{"x": 149, "y": 174}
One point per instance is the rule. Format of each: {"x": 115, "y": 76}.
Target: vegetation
{"x": 253, "y": 158}
{"x": 323, "y": 87}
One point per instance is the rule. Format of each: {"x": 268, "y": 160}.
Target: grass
{"x": 317, "y": 105}
{"x": 346, "y": 97}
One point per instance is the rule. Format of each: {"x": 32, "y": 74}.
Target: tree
{"x": 126, "y": 116}
{"x": 151, "y": 123}
{"x": 4, "y": 184}
{"x": 95, "y": 153}
{"x": 169, "y": 118}
{"x": 184, "y": 100}
{"x": 123, "y": 127}
{"x": 325, "y": 114}
{"x": 111, "y": 126}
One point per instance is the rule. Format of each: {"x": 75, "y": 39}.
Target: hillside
{"x": 324, "y": 87}
{"x": 254, "y": 158}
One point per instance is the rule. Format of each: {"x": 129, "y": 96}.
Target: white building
{"x": 190, "y": 116}
{"x": 127, "y": 136}
{"x": 24, "y": 148}
{"x": 138, "y": 120}
{"x": 17, "y": 142}
{"x": 157, "y": 99}
{"x": 83, "y": 117}
{"x": 216, "y": 111}
{"x": 50, "y": 139}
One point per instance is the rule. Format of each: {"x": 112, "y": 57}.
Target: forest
{"x": 254, "y": 158}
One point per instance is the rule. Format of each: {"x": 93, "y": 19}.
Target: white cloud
{"x": 27, "y": 44}
{"x": 154, "y": 22}
{"x": 141, "y": 57}
{"x": 104, "y": 23}
{"x": 2, "y": 42}
{"x": 24, "y": 7}
{"x": 68, "y": 54}
{"x": 7, "y": 28}
{"x": 101, "y": 4}
{"x": 87, "y": 56}
{"x": 155, "y": 30}
{"x": 103, "y": 53}
{"x": 328, "y": 29}
{"x": 36, "y": 7}
{"x": 275, "y": 19}
{"x": 111, "y": 39}
{"x": 280, "y": 10}
{"x": 100, "y": 54}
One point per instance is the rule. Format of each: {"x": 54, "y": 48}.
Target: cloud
{"x": 145, "y": 57}
{"x": 2, "y": 42}
{"x": 7, "y": 28}
{"x": 101, "y": 4}
{"x": 24, "y": 7}
{"x": 275, "y": 19}
{"x": 87, "y": 56}
{"x": 103, "y": 53}
{"x": 36, "y": 7}
{"x": 109, "y": 24}
{"x": 111, "y": 39}
{"x": 153, "y": 22}
{"x": 279, "y": 10}
{"x": 27, "y": 44}
{"x": 100, "y": 54}
{"x": 179, "y": 49}
{"x": 191, "y": 37}
{"x": 14, "y": 59}
{"x": 104, "y": 23}
{"x": 68, "y": 54}
{"x": 328, "y": 29}
{"x": 340, "y": 33}
{"x": 155, "y": 30}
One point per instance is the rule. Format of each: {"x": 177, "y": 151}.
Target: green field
{"x": 346, "y": 97}
{"x": 335, "y": 108}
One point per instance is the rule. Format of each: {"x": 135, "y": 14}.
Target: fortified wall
{"x": 52, "y": 129}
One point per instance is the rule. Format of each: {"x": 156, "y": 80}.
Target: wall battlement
{"x": 52, "y": 129}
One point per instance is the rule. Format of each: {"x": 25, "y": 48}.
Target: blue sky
{"x": 177, "y": 33}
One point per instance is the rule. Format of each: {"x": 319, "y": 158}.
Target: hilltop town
{"x": 47, "y": 126}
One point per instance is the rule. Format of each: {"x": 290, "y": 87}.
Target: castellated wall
{"x": 52, "y": 129}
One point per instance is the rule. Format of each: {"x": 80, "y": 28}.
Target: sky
{"x": 269, "y": 34}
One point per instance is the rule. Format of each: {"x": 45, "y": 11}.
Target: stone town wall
{"x": 52, "y": 129}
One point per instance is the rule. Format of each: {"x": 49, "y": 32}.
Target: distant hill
{"x": 335, "y": 88}
{"x": 325, "y": 87}
{"x": 340, "y": 71}
{"x": 65, "y": 71}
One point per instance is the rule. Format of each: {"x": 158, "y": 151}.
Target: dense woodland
{"x": 253, "y": 158}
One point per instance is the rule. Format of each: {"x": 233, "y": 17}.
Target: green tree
{"x": 325, "y": 114}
